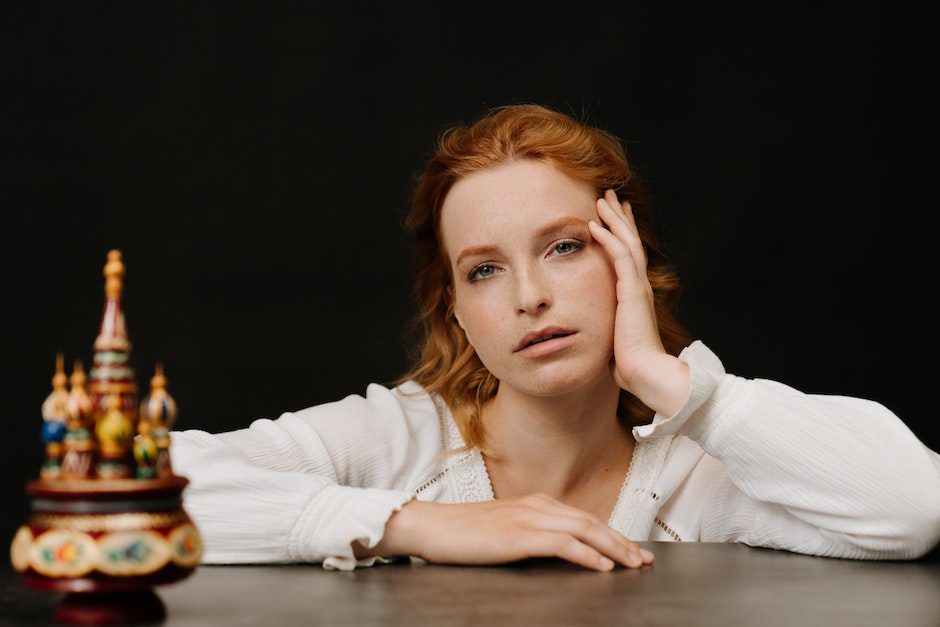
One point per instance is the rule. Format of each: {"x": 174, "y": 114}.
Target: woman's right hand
{"x": 505, "y": 530}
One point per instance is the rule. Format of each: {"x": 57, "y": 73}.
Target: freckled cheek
{"x": 482, "y": 318}
{"x": 592, "y": 292}
{"x": 596, "y": 281}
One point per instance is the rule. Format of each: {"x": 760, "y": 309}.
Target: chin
{"x": 558, "y": 378}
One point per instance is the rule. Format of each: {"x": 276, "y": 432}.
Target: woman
{"x": 557, "y": 407}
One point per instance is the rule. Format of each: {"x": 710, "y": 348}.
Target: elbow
{"x": 902, "y": 537}
{"x": 923, "y": 532}
{"x": 916, "y": 532}
{"x": 923, "y": 518}
{"x": 915, "y": 521}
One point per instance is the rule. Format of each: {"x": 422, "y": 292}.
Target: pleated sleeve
{"x": 302, "y": 487}
{"x": 818, "y": 474}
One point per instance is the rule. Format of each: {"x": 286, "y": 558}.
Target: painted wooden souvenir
{"x": 111, "y": 372}
{"x": 54, "y": 419}
{"x": 145, "y": 451}
{"x": 114, "y": 432}
{"x": 105, "y": 538}
{"x": 160, "y": 409}
{"x": 106, "y": 543}
{"x": 79, "y": 445}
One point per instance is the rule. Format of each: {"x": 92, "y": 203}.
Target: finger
{"x": 593, "y": 534}
{"x": 551, "y": 544}
{"x": 623, "y": 209}
{"x": 623, "y": 230}
{"x": 640, "y": 248}
{"x": 614, "y": 220}
{"x": 624, "y": 264}
{"x": 546, "y": 504}
{"x": 623, "y": 225}
{"x": 627, "y": 210}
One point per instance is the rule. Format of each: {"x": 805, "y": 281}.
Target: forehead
{"x": 504, "y": 203}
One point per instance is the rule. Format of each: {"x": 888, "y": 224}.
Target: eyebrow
{"x": 543, "y": 231}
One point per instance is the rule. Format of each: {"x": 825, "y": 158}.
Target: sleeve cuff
{"x": 339, "y": 515}
{"x": 706, "y": 374}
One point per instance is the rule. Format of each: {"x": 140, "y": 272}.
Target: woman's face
{"x": 531, "y": 279}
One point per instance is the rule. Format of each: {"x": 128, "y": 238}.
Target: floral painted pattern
{"x": 186, "y": 545}
{"x": 132, "y": 553}
{"x": 62, "y": 553}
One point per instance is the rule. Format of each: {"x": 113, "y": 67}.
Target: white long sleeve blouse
{"x": 745, "y": 460}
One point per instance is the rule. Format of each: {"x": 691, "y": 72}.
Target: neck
{"x": 557, "y": 445}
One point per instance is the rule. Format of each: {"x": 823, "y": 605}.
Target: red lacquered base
{"x": 106, "y": 544}
{"x": 111, "y": 608}
{"x": 101, "y": 600}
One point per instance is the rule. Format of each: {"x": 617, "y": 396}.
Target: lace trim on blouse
{"x": 465, "y": 479}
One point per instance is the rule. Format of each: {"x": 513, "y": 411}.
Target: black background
{"x": 253, "y": 163}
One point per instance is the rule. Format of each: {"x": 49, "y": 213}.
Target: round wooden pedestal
{"x": 106, "y": 544}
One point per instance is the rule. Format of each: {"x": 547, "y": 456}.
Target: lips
{"x": 532, "y": 336}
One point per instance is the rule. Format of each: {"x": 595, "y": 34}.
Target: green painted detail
{"x": 106, "y": 465}
{"x": 108, "y": 372}
{"x": 105, "y": 358}
{"x": 137, "y": 551}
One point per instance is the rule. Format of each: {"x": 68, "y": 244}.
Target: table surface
{"x": 689, "y": 584}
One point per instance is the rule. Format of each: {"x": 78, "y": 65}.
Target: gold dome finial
{"x": 112, "y": 335}
{"x": 158, "y": 406}
{"x": 158, "y": 382}
{"x": 77, "y": 380}
{"x": 78, "y": 405}
{"x": 53, "y": 408}
{"x": 59, "y": 379}
{"x": 114, "y": 275}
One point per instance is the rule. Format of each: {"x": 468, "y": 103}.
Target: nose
{"x": 532, "y": 291}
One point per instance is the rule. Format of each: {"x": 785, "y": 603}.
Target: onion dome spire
{"x": 115, "y": 432}
{"x": 54, "y": 416}
{"x": 158, "y": 407}
{"x": 158, "y": 411}
{"x": 111, "y": 372}
{"x": 113, "y": 332}
{"x": 54, "y": 406}
{"x": 78, "y": 443}
{"x": 78, "y": 405}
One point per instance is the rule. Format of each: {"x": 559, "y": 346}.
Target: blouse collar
{"x": 466, "y": 480}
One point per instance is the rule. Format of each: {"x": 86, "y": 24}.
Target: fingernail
{"x": 606, "y": 564}
{"x": 634, "y": 559}
{"x": 646, "y": 554}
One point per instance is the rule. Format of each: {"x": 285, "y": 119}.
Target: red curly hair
{"x": 444, "y": 361}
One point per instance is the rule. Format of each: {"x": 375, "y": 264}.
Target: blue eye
{"x": 473, "y": 274}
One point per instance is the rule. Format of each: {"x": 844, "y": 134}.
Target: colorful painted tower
{"x": 158, "y": 410}
{"x": 112, "y": 373}
{"x": 79, "y": 443}
{"x": 54, "y": 416}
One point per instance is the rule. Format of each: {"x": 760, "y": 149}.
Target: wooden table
{"x": 689, "y": 584}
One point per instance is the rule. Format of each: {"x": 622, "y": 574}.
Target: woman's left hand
{"x": 636, "y": 335}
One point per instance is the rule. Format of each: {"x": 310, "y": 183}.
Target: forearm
{"x": 845, "y": 466}
{"x": 845, "y": 470}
